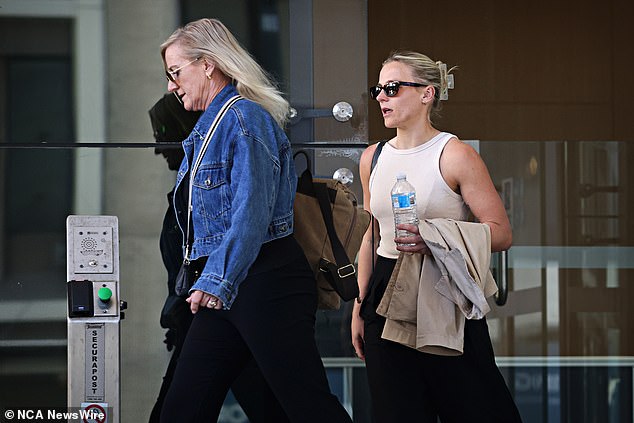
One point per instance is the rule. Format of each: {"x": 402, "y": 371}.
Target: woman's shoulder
{"x": 252, "y": 114}
{"x": 366, "y": 157}
{"x": 248, "y": 117}
{"x": 370, "y": 156}
{"x": 368, "y": 152}
{"x": 456, "y": 149}
{"x": 458, "y": 159}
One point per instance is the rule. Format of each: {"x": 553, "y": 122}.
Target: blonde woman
{"x": 256, "y": 296}
{"x": 451, "y": 181}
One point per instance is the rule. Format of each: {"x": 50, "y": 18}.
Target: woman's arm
{"x": 465, "y": 172}
{"x": 365, "y": 253}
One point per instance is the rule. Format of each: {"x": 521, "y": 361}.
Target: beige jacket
{"x": 428, "y": 297}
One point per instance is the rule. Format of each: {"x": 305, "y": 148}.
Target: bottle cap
{"x": 401, "y": 175}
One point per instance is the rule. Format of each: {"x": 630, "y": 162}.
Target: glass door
{"x": 328, "y": 92}
{"x": 564, "y": 336}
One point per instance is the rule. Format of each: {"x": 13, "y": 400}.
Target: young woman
{"x": 451, "y": 181}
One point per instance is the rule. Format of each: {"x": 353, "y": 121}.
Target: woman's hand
{"x": 357, "y": 331}
{"x": 202, "y": 299}
{"x": 417, "y": 246}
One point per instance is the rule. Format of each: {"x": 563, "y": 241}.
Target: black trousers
{"x": 407, "y": 385}
{"x": 272, "y": 321}
{"x": 250, "y": 388}
{"x": 179, "y": 338}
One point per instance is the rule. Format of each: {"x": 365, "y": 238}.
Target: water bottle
{"x": 403, "y": 205}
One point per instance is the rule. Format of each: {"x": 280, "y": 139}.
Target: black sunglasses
{"x": 391, "y": 88}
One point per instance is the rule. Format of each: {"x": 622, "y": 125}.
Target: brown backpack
{"x": 329, "y": 226}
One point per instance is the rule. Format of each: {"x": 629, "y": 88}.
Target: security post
{"x": 94, "y": 315}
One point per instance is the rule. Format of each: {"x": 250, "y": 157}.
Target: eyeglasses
{"x": 172, "y": 75}
{"x": 391, "y": 88}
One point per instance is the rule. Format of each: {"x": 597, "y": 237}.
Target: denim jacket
{"x": 243, "y": 192}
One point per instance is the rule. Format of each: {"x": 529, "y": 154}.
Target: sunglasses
{"x": 391, "y": 88}
{"x": 172, "y": 75}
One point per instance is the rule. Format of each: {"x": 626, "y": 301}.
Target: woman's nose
{"x": 171, "y": 86}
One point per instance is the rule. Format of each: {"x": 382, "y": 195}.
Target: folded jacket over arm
{"x": 428, "y": 297}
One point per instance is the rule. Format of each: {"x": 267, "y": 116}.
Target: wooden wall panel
{"x": 623, "y": 68}
{"x": 538, "y": 70}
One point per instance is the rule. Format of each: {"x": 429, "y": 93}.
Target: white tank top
{"x": 434, "y": 198}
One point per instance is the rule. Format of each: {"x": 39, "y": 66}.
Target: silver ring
{"x": 212, "y": 304}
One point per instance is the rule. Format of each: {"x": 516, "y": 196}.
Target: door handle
{"x": 341, "y": 111}
{"x": 502, "y": 278}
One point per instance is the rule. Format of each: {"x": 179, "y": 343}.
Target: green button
{"x": 104, "y": 294}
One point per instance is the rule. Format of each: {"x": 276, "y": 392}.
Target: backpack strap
{"x": 377, "y": 152}
{"x": 342, "y": 270}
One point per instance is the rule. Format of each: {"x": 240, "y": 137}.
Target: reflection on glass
{"x": 570, "y": 277}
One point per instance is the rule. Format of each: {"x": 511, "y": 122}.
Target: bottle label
{"x": 400, "y": 201}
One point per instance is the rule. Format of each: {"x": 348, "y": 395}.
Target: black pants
{"x": 271, "y": 321}
{"x": 250, "y": 388}
{"x": 180, "y": 331}
{"x": 407, "y": 385}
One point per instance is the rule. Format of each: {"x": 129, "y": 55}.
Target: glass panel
{"x": 26, "y": 227}
{"x": 333, "y": 326}
{"x": 566, "y": 324}
{"x": 33, "y": 335}
{"x": 570, "y": 273}
{"x": 35, "y": 194}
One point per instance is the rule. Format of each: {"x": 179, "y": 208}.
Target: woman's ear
{"x": 208, "y": 68}
{"x": 428, "y": 94}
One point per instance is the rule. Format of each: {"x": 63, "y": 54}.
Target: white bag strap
{"x": 199, "y": 158}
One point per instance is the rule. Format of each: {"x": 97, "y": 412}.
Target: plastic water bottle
{"x": 403, "y": 205}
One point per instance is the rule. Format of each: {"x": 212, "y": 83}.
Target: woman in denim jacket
{"x": 256, "y": 296}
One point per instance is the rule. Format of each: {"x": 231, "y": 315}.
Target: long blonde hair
{"x": 211, "y": 40}
{"x": 426, "y": 71}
